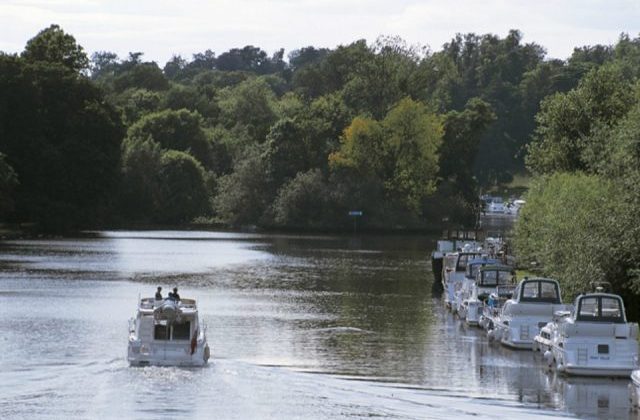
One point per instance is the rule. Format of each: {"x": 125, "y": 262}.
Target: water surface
{"x": 300, "y": 326}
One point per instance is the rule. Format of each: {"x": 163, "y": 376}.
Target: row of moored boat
{"x": 590, "y": 337}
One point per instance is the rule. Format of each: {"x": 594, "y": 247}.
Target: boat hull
{"x": 159, "y": 355}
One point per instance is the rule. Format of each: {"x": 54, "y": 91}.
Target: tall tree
{"x": 53, "y": 45}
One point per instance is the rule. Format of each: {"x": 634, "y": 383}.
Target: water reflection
{"x": 296, "y": 315}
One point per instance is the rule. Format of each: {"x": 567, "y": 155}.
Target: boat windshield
{"x": 463, "y": 260}
{"x": 491, "y": 278}
{"x": 600, "y": 309}
{"x": 174, "y": 331}
{"x": 540, "y": 291}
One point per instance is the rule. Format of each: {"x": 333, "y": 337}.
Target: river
{"x": 312, "y": 327}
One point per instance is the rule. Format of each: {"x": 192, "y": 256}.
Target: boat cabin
{"x": 600, "y": 307}
{"x": 462, "y": 259}
{"x": 495, "y": 275}
{"x": 166, "y": 320}
{"x": 538, "y": 290}
{"x": 475, "y": 264}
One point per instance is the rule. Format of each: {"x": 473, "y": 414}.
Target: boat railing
{"x": 151, "y": 303}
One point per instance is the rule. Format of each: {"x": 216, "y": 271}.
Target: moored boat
{"x": 167, "y": 332}
{"x": 488, "y": 278}
{"x": 594, "y": 339}
{"x": 452, "y": 241}
{"x": 532, "y": 306}
{"x": 465, "y": 293}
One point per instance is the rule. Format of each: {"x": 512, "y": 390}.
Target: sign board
{"x": 355, "y": 213}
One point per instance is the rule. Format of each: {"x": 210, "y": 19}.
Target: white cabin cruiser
{"x": 468, "y": 284}
{"x": 493, "y": 307}
{"x": 487, "y": 279}
{"x": 452, "y": 240}
{"x": 453, "y": 274}
{"x": 167, "y": 332}
{"x": 594, "y": 339}
{"x": 532, "y": 306}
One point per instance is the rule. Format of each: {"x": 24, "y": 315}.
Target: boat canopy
{"x": 495, "y": 275}
{"x": 464, "y": 258}
{"x": 600, "y": 307}
{"x": 475, "y": 264}
{"x": 538, "y": 290}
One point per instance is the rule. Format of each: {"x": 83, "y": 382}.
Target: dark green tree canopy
{"x": 53, "y": 45}
{"x": 175, "y": 130}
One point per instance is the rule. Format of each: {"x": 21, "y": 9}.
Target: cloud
{"x": 160, "y": 27}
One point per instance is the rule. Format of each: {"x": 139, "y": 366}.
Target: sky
{"x": 161, "y": 28}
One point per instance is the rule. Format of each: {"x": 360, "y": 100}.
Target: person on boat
{"x": 174, "y": 295}
{"x": 159, "y": 293}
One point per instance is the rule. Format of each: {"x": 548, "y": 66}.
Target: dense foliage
{"x": 579, "y": 224}
{"x": 405, "y": 135}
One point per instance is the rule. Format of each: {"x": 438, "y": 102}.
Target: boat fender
{"x": 207, "y": 353}
{"x": 560, "y": 367}
{"x": 491, "y": 334}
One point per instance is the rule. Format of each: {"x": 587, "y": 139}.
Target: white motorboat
{"x": 493, "y": 307}
{"x": 477, "y": 292}
{"x": 453, "y": 274}
{"x": 532, "y": 306}
{"x": 167, "y": 333}
{"x": 452, "y": 241}
{"x": 594, "y": 339}
{"x": 465, "y": 292}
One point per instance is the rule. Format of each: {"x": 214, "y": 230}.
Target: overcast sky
{"x": 161, "y": 28}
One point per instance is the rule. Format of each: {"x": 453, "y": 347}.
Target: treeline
{"x": 580, "y": 224}
{"x": 406, "y": 135}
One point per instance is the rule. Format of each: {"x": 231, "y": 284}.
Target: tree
{"x": 251, "y": 104}
{"x": 244, "y": 195}
{"x": 175, "y": 130}
{"x": 401, "y": 152}
{"x": 141, "y": 75}
{"x": 104, "y": 64}
{"x": 8, "y": 182}
{"x": 63, "y": 141}
{"x": 174, "y": 67}
{"x": 287, "y": 151}
{"x": 140, "y": 185}
{"x": 305, "y": 202}
{"x": 53, "y": 45}
{"x": 182, "y": 189}
{"x": 567, "y": 209}
{"x": 566, "y": 121}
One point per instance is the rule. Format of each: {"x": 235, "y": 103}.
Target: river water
{"x": 317, "y": 327}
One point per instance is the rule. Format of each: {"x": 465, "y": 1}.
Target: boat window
{"x": 463, "y": 259}
{"x": 600, "y": 309}
{"x": 181, "y": 331}
{"x": 490, "y": 278}
{"x": 540, "y": 291}
{"x": 548, "y": 290}
{"x": 462, "y": 262}
{"x": 588, "y": 309}
{"x": 530, "y": 290}
{"x": 160, "y": 332}
{"x": 611, "y": 308}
